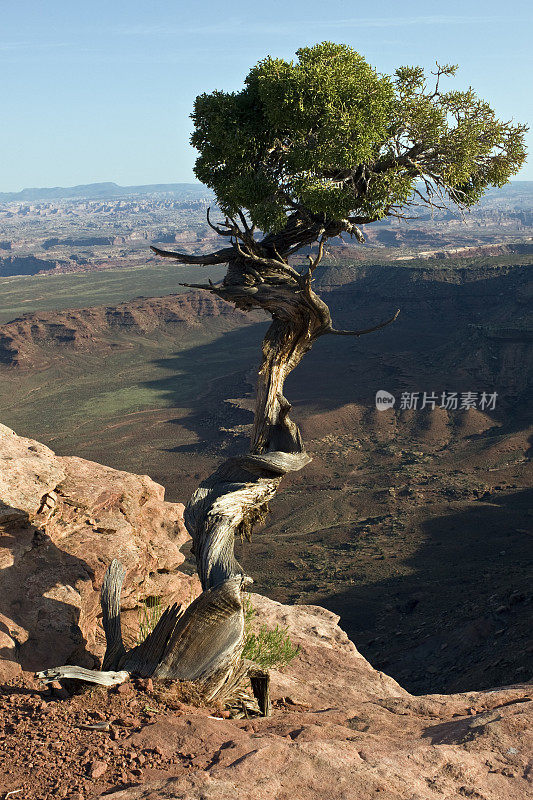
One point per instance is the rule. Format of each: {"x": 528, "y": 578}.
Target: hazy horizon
{"x": 192, "y": 182}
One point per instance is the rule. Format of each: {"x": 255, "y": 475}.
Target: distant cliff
{"x": 22, "y": 340}
{"x": 25, "y": 265}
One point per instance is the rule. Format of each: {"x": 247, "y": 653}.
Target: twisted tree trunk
{"x": 204, "y": 643}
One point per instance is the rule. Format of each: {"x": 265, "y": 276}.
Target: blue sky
{"x": 103, "y": 90}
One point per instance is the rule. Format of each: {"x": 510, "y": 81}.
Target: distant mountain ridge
{"x": 107, "y": 190}
{"x": 111, "y": 190}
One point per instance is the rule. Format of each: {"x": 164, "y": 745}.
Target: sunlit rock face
{"x": 62, "y": 521}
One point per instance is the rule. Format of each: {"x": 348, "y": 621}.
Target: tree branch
{"x": 218, "y": 257}
{"x": 314, "y": 263}
{"x": 104, "y": 678}
{"x": 362, "y": 332}
{"x": 264, "y": 261}
{"x": 110, "y": 602}
{"x": 208, "y": 286}
{"x": 249, "y": 229}
{"x": 215, "y": 227}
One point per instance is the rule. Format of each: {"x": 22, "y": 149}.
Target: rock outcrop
{"x": 62, "y": 521}
{"x": 339, "y": 728}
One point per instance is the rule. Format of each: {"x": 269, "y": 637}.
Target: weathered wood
{"x": 104, "y": 678}
{"x": 204, "y": 643}
{"x": 110, "y": 602}
{"x": 143, "y": 659}
{"x": 260, "y": 680}
{"x": 207, "y": 641}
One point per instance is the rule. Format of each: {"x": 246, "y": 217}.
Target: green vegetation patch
{"x": 27, "y": 294}
{"x": 266, "y": 647}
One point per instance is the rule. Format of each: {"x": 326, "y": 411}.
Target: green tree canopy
{"x": 327, "y": 138}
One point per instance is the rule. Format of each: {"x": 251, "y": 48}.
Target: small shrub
{"x": 268, "y": 647}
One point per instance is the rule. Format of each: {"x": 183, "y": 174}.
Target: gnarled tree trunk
{"x": 204, "y": 643}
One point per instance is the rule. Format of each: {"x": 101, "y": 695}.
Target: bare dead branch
{"x": 110, "y": 602}
{"x": 355, "y": 231}
{"x": 362, "y": 332}
{"x": 279, "y": 258}
{"x": 215, "y": 227}
{"x": 104, "y": 678}
{"x": 209, "y": 287}
{"x": 209, "y": 259}
{"x": 250, "y": 229}
{"x": 315, "y": 262}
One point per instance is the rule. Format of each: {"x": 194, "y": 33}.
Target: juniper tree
{"x": 306, "y": 151}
